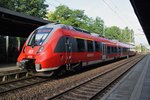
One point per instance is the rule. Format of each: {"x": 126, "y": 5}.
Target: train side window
{"x": 119, "y": 50}
{"x": 73, "y": 44}
{"x": 80, "y": 45}
{"x": 123, "y": 49}
{"x": 63, "y": 42}
{"x": 113, "y": 49}
{"x": 97, "y": 46}
{"x": 116, "y": 50}
{"x": 60, "y": 47}
{"x": 108, "y": 49}
{"x": 101, "y": 46}
{"x": 90, "y": 46}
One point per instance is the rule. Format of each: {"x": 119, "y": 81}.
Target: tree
{"x": 125, "y": 35}
{"x": 77, "y": 18}
{"x": 128, "y": 35}
{"x": 113, "y": 32}
{"x": 97, "y": 25}
{"x": 141, "y": 48}
{"x": 65, "y": 15}
{"x": 30, "y": 7}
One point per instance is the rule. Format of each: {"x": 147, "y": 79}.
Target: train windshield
{"x": 39, "y": 36}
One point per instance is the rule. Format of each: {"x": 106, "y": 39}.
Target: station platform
{"x": 8, "y": 67}
{"x": 133, "y": 86}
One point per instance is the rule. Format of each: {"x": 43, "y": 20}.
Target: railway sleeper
{"x": 81, "y": 91}
{"x": 13, "y": 76}
{"x": 90, "y": 89}
{"x": 80, "y": 95}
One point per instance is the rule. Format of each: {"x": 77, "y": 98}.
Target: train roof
{"x": 57, "y": 25}
{"x": 122, "y": 44}
{"x": 85, "y": 32}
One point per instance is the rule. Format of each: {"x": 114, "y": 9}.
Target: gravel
{"x": 54, "y": 86}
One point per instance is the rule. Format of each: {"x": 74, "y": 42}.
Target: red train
{"x": 56, "y": 46}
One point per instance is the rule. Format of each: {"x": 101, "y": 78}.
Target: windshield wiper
{"x": 37, "y": 42}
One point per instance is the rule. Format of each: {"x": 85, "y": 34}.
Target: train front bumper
{"x": 27, "y": 64}
{"x": 31, "y": 66}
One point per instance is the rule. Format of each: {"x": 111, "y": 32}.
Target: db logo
{"x": 30, "y": 51}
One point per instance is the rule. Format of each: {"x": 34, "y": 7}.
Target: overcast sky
{"x": 114, "y": 12}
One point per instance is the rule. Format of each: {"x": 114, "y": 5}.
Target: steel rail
{"x": 66, "y": 92}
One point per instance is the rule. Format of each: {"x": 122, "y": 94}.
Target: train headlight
{"x": 40, "y": 49}
{"x": 38, "y": 66}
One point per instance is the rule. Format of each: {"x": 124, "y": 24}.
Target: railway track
{"x": 20, "y": 83}
{"x": 13, "y": 75}
{"x": 95, "y": 86}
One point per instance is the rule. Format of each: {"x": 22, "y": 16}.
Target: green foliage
{"x": 113, "y": 32}
{"x": 30, "y": 7}
{"x": 77, "y": 18}
{"x": 96, "y": 25}
{"x": 141, "y": 48}
{"x": 65, "y": 15}
{"x": 127, "y": 35}
{"x": 124, "y": 35}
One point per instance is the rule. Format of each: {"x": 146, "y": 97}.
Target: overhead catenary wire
{"x": 51, "y": 4}
{"x": 58, "y": 2}
{"x": 114, "y": 5}
{"x": 114, "y": 11}
{"x": 106, "y": 3}
{"x": 117, "y": 9}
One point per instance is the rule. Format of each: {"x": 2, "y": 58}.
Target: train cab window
{"x": 39, "y": 36}
{"x": 90, "y": 46}
{"x": 80, "y": 45}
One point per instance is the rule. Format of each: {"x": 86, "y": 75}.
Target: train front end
{"x": 36, "y": 52}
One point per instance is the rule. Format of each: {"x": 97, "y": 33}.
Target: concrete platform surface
{"x": 135, "y": 85}
{"x": 8, "y": 67}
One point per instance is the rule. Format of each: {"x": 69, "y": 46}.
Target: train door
{"x": 104, "y": 50}
{"x": 68, "y": 47}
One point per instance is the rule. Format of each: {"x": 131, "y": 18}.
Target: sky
{"x": 114, "y": 13}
